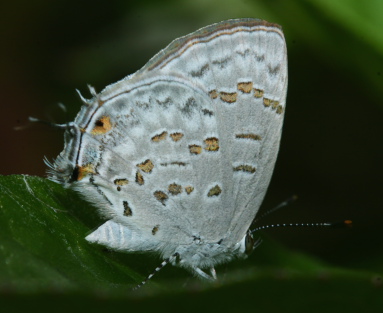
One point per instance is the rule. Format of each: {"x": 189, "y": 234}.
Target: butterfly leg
{"x": 202, "y": 274}
{"x": 213, "y": 273}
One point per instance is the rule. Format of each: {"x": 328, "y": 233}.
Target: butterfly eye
{"x": 249, "y": 243}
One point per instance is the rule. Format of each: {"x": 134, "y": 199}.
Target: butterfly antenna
{"x": 279, "y": 206}
{"x": 345, "y": 223}
{"x": 157, "y": 269}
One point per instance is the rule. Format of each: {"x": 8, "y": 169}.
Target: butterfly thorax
{"x": 203, "y": 255}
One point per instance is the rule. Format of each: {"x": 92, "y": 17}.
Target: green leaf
{"x": 42, "y": 239}
{"x": 45, "y": 259}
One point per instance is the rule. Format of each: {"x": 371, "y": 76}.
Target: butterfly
{"x": 178, "y": 156}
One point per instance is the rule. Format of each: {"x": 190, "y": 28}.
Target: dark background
{"x": 331, "y": 151}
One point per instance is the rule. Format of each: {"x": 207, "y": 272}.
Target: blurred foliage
{"x": 45, "y": 260}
